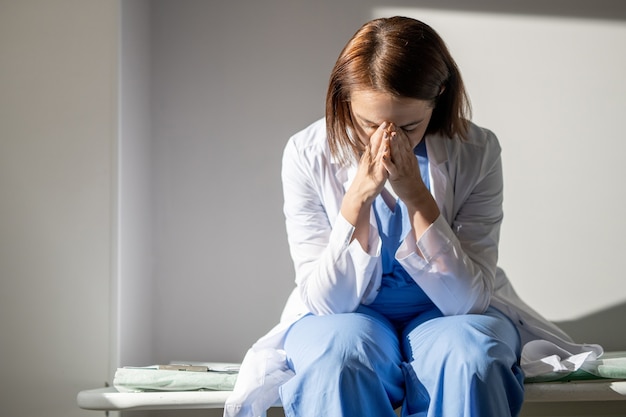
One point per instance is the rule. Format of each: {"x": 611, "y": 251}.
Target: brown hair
{"x": 403, "y": 57}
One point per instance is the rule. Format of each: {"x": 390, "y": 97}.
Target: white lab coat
{"x": 458, "y": 270}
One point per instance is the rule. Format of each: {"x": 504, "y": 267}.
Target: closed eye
{"x": 411, "y": 127}
{"x": 370, "y": 127}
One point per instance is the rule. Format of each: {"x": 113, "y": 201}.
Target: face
{"x": 371, "y": 108}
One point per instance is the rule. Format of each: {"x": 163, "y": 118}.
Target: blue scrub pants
{"x": 361, "y": 365}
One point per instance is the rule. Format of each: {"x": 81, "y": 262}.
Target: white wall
{"x": 231, "y": 83}
{"x": 553, "y": 90}
{"x": 58, "y": 114}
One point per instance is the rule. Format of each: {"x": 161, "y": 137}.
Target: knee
{"x": 342, "y": 341}
{"x": 361, "y": 342}
{"x": 474, "y": 352}
{"x": 480, "y": 357}
{"x": 476, "y": 360}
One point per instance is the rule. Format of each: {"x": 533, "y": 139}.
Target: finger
{"x": 366, "y": 156}
{"x": 387, "y": 159}
{"x": 403, "y": 141}
{"x": 401, "y": 149}
{"x": 377, "y": 138}
{"x": 390, "y": 167}
{"x": 384, "y": 148}
{"x": 396, "y": 148}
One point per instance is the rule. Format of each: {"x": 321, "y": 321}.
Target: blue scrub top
{"x": 400, "y": 299}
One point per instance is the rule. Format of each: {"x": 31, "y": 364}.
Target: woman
{"x": 393, "y": 207}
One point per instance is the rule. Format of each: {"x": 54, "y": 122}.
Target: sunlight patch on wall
{"x": 553, "y": 90}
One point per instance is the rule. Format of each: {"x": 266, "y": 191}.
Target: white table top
{"x": 110, "y": 399}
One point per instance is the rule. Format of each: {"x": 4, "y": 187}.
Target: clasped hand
{"x": 389, "y": 156}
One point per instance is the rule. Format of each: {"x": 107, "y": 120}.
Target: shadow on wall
{"x": 605, "y": 327}
{"x": 600, "y": 9}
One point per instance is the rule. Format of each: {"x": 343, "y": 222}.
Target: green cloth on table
{"x": 153, "y": 379}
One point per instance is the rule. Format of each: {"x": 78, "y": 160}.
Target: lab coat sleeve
{"x": 333, "y": 272}
{"x": 458, "y": 261}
